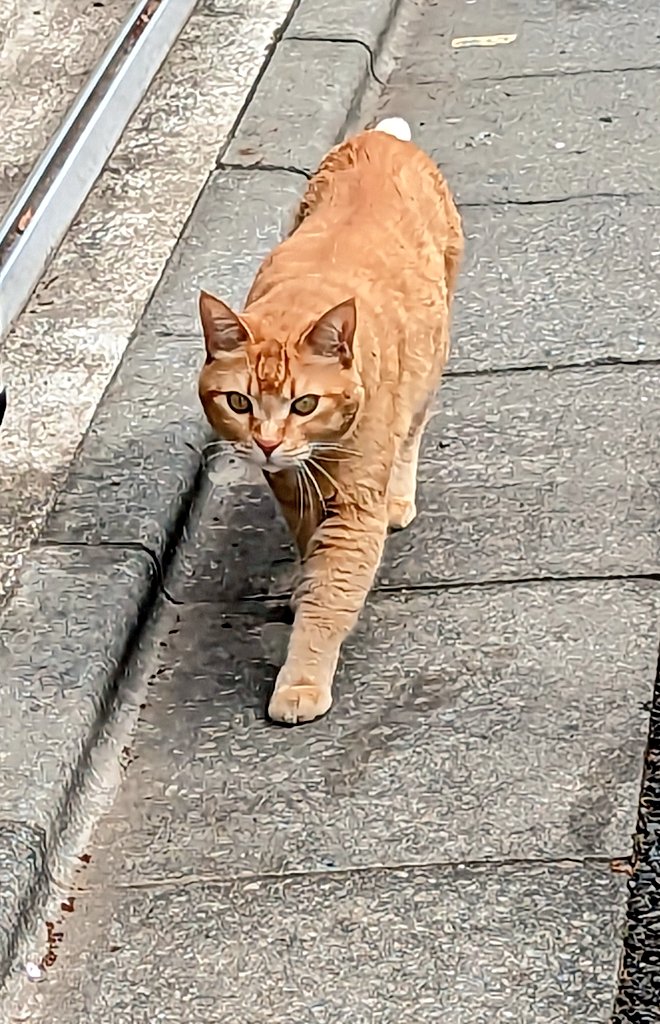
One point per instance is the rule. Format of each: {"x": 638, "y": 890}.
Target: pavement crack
{"x": 282, "y": 168}
{"x": 345, "y": 39}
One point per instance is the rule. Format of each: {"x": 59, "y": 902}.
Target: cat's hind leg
{"x": 402, "y": 489}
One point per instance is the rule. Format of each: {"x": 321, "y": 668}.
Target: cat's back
{"x": 377, "y": 180}
{"x": 377, "y": 218}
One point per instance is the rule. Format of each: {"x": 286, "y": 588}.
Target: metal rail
{"x": 79, "y": 150}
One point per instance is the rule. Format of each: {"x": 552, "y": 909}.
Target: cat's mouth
{"x": 279, "y": 465}
{"x": 275, "y": 461}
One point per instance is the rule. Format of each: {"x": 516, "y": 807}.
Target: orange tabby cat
{"x": 326, "y": 378}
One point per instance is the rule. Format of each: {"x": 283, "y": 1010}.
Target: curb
{"x": 70, "y": 626}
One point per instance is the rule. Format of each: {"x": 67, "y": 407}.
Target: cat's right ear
{"x": 224, "y": 331}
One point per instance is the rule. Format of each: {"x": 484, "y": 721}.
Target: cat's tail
{"x": 395, "y": 126}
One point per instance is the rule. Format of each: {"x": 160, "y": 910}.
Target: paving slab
{"x": 505, "y": 723}
{"x": 318, "y": 84}
{"x": 344, "y": 19}
{"x": 63, "y": 640}
{"x": 538, "y": 139}
{"x": 551, "y": 37}
{"x": 553, "y": 284}
{"x": 237, "y": 525}
{"x": 532, "y": 944}
{"x": 239, "y": 217}
{"x": 537, "y": 475}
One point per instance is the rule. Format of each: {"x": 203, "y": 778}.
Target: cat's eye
{"x": 237, "y": 402}
{"x": 305, "y": 405}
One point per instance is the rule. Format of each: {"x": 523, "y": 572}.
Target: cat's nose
{"x": 267, "y": 447}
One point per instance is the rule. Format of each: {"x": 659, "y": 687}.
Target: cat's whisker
{"x": 219, "y": 443}
{"x": 217, "y": 447}
{"x": 307, "y": 489}
{"x": 299, "y": 492}
{"x": 212, "y": 457}
{"x": 294, "y": 460}
{"x": 299, "y": 501}
{"x": 333, "y": 451}
{"x": 335, "y": 444}
{"x": 327, "y": 475}
{"x": 314, "y": 481}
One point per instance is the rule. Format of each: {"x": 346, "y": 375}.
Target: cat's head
{"x": 280, "y": 399}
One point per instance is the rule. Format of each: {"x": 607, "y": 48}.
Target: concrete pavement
{"x": 450, "y": 844}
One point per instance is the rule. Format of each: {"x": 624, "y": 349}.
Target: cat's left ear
{"x": 332, "y": 336}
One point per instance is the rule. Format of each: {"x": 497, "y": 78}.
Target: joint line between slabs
{"x": 556, "y": 200}
{"x": 378, "y": 868}
{"x": 607, "y": 363}
{"x": 562, "y": 73}
{"x": 438, "y": 588}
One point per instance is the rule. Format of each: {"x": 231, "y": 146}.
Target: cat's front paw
{"x": 300, "y": 701}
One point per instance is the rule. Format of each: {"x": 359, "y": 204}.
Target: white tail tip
{"x": 395, "y": 126}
